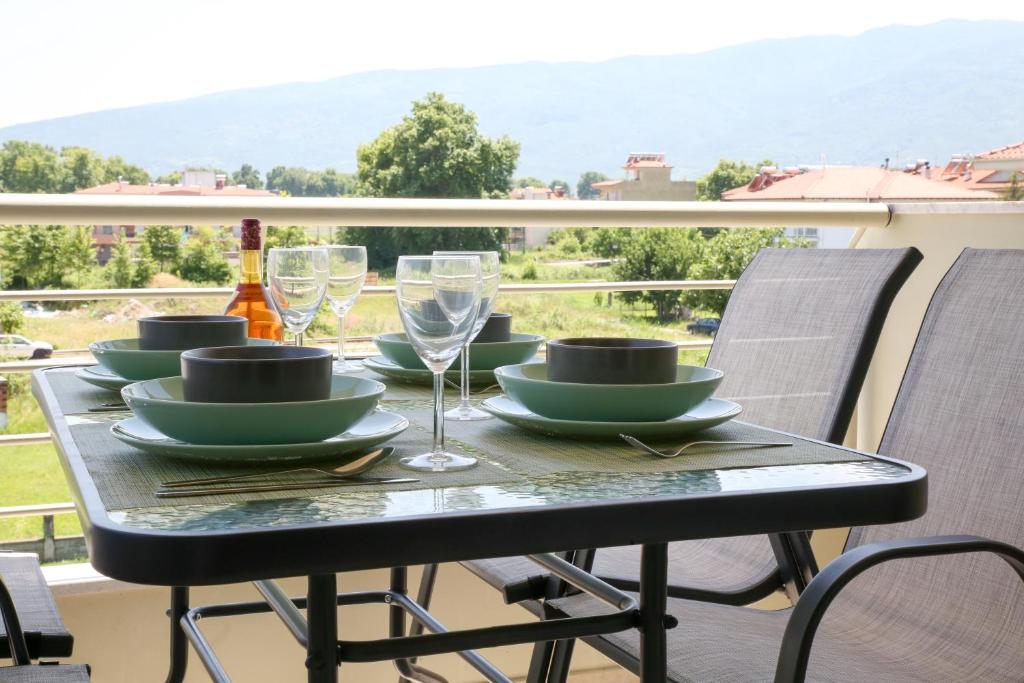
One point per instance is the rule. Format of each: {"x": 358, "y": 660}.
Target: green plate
{"x": 125, "y": 358}
{"x": 529, "y": 384}
{"x": 99, "y": 376}
{"x": 160, "y": 403}
{"x": 376, "y": 428}
{"x": 711, "y": 412}
{"x": 484, "y": 356}
{"x": 382, "y": 366}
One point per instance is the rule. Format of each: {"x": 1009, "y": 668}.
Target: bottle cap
{"x": 251, "y": 240}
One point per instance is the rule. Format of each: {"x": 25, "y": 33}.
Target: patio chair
{"x": 794, "y": 343}
{"x": 950, "y": 609}
{"x": 30, "y": 626}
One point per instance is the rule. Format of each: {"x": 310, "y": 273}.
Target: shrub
{"x": 12, "y": 318}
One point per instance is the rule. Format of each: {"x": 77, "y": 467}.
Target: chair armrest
{"x": 809, "y": 610}
{"x": 12, "y": 625}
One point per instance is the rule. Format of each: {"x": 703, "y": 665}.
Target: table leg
{"x": 653, "y": 598}
{"x": 322, "y": 625}
{"x": 179, "y": 643}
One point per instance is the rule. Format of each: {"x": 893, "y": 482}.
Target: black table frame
{"x": 317, "y": 550}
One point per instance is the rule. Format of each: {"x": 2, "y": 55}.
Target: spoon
{"x": 349, "y": 469}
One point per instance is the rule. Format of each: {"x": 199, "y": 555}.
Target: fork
{"x": 663, "y": 454}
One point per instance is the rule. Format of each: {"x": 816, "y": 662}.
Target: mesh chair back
{"x": 799, "y": 331}
{"x": 960, "y": 414}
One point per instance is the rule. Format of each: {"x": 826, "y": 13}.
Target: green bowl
{"x": 529, "y": 384}
{"x": 483, "y": 356}
{"x": 124, "y": 357}
{"x": 161, "y": 403}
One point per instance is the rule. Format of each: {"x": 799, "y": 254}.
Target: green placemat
{"x": 75, "y": 395}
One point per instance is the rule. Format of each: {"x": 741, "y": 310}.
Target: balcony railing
{"x": 435, "y": 213}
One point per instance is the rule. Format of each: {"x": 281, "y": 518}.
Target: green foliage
{"x": 437, "y": 151}
{"x": 584, "y": 187}
{"x": 609, "y": 242}
{"x": 144, "y": 267}
{"x": 248, "y": 176}
{"x": 726, "y": 176}
{"x": 302, "y": 182}
{"x": 562, "y": 185}
{"x": 339, "y": 235}
{"x": 203, "y": 260}
{"x": 164, "y": 245}
{"x": 725, "y": 256}
{"x": 12, "y": 318}
{"x": 172, "y": 178}
{"x": 286, "y": 236}
{"x": 30, "y": 255}
{"x": 528, "y": 181}
{"x": 529, "y": 272}
{"x": 660, "y": 254}
{"x": 119, "y": 268}
{"x": 32, "y": 167}
{"x": 78, "y": 254}
{"x": 1015, "y": 192}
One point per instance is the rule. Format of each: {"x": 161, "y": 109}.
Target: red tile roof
{"x": 1008, "y": 152}
{"x": 646, "y": 160}
{"x": 179, "y": 190}
{"x": 856, "y": 183}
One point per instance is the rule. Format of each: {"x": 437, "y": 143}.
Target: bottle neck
{"x": 251, "y": 266}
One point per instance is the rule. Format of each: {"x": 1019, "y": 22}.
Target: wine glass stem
{"x": 298, "y": 339}
{"x": 438, "y": 451}
{"x": 464, "y": 377}
{"x": 341, "y": 339}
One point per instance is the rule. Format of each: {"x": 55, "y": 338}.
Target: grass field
{"x": 31, "y": 474}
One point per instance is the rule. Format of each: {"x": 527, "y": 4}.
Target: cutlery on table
{"x": 665, "y": 454}
{"x": 349, "y": 469}
{"x": 256, "y": 488}
{"x": 113, "y": 406}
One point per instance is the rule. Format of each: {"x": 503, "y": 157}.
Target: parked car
{"x": 708, "y": 326}
{"x": 21, "y": 347}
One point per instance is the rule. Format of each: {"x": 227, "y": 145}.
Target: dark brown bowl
{"x": 183, "y": 332}
{"x": 256, "y": 374}
{"x": 498, "y": 328}
{"x": 612, "y": 360}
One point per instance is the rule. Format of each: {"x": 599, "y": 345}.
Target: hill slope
{"x": 898, "y": 91}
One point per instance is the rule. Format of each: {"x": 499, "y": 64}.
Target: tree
{"x": 29, "y": 167}
{"x": 556, "y": 185}
{"x": 286, "y": 236}
{"x": 302, "y": 182}
{"x": 585, "y": 185}
{"x": 203, "y": 260}
{"x": 164, "y": 242}
{"x": 660, "y": 254}
{"x": 248, "y": 176}
{"x": 726, "y": 176}
{"x": 1015, "y": 191}
{"x": 172, "y": 178}
{"x": 144, "y": 268}
{"x": 529, "y": 181}
{"x": 12, "y": 318}
{"x": 30, "y": 255}
{"x": 77, "y": 252}
{"x": 725, "y": 256}
{"x": 82, "y": 167}
{"x": 119, "y": 169}
{"x": 119, "y": 267}
{"x": 437, "y": 151}
{"x": 609, "y": 242}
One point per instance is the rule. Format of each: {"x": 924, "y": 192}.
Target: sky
{"x": 64, "y": 57}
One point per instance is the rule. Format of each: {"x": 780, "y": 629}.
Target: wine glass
{"x": 298, "y": 283}
{"x": 490, "y": 267}
{"x": 347, "y": 266}
{"x": 438, "y": 300}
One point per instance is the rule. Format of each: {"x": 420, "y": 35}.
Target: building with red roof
{"x": 648, "y": 177}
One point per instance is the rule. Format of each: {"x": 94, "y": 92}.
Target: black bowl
{"x": 182, "y": 332}
{"x": 611, "y": 360}
{"x": 256, "y": 374}
{"x": 498, "y": 328}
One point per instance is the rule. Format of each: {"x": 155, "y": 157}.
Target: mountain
{"x": 901, "y": 92}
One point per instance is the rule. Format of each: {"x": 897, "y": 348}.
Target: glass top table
{"x": 524, "y": 501}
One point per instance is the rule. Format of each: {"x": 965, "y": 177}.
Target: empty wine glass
{"x": 298, "y": 283}
{"x": 490, "y": 270}
{"x": 347, "y": 267}
{"x": 438, "y": 300}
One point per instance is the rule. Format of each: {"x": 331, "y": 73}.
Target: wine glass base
{"x": 466, "y": 414}
{"x": 341, "y": 367}
{"x": 429, "y": 462}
